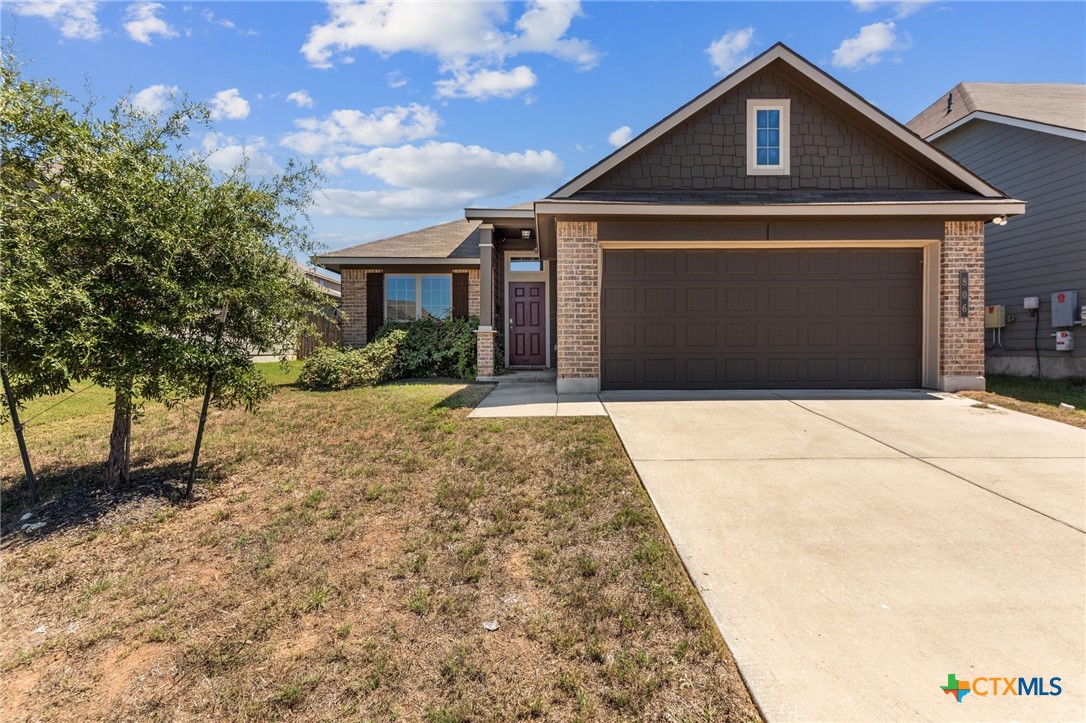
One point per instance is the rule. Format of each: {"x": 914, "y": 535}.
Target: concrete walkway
{"x": 855, "y": 549}
{"x": 536, "y": 399}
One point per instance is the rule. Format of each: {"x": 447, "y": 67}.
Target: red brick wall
{"x": 578, "y": 300}
{"x": 961, "y": 339}
{"x": 484, "y": 350}
{"x": 353, "y": 304}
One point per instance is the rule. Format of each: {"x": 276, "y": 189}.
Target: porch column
{"x": 484, "y": 337}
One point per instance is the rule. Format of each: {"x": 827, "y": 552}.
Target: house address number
{"x": 963, "y": 293}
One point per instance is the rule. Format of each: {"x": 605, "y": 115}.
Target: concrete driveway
{"x": 855, "y": 549}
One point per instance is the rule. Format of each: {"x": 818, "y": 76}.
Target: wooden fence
{"x": 328, "y": 334}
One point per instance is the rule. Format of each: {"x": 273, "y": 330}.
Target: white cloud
{"x": 225, "y": 153}
{"x": 449, "y": 167}
{"x": 436, "y": 177}
{"x": 301, "y": 99}
{"x": 408, "y": 203}
{"x": 143, "y": 22}
{"x": 396, "y": 79}
{"x": 619, "y": 136}
{"x": 543, "y": 28}
{"x": 230, "y": 105}
{"x": 445, "y": 30}
{"x": 901, "y": 9}
{"x": 154, "y": 98}
{"x": 347, "y": 130}
{"x": 76, "y": 20}
{"x": 222, "y": 22}
{"x": 868, "y": 47}
{"x": 468, "y": 38}
{"x": 485, "y": 84}
{"x": 731, "y": 50}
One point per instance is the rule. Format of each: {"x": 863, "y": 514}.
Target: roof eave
{"x": 491, "y": 215}
{"x": 335, "y": 263}
{"x": 981, "y": 115}
{"x": 978, "y": 209}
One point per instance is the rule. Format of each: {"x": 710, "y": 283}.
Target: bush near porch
{"x": 424, "y": 348}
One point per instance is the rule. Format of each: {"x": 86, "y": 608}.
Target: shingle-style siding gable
{"x": 708, "y": 152}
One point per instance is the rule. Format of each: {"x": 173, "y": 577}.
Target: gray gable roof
{"x": 913, "y": 147}
{"x": 1054, "y": 104}
{"x": 452, "y": 240}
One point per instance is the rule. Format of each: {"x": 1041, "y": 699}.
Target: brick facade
{"x": 353, "y": 300}
{"x": 484, "y": 349}
{"x": 473, "y": 292}
{"x": 961, "y": 339}
{"x": 708, "y": 152}
{"x": 578, "y": 307}
{"x": 353, "y": 305}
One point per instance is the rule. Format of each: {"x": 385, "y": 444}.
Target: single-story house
{"x": 1029, "y": 139}
{"x": 777, "y": 231}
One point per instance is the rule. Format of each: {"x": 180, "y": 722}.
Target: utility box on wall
{"x": 1064, "y": 308}
{"x": 995, "y": 317}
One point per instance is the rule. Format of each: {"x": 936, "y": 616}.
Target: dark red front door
{"x": 527, "y": 325}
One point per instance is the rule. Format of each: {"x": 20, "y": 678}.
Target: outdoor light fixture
{"x": 1000, "y": 220}
{"x": 526, "y": 233}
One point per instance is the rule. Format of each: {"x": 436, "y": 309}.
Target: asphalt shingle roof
{"x": 452, "y": 240}
{"x": 1056, "y": 104}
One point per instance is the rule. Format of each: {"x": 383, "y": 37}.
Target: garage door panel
{"x": 701, "y": 299}
{"x": 741, "y": 263}
{"x": 620, "y": 263}
{"x": 701, "y": 263}
{"x": 831, "y": 318}
{"x": 618, "y": 299}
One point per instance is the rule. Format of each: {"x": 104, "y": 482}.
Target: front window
{"x": 436, "y": 296}
{"x": 767, "y": 137}
{"x": 411, "y": 297}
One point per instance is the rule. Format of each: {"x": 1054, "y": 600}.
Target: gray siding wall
{"x": 828, "y": 152}
{"x": 1038, "y": 253}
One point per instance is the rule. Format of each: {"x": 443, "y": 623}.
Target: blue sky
{"x": 415, "y": 110}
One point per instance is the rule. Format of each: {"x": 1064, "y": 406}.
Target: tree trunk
{"x": 117, "y": 468}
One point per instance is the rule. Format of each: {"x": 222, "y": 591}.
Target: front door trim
{"x": 514, "y": 276}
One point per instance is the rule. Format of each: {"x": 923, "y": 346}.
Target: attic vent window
{"x": 768, "y": 137}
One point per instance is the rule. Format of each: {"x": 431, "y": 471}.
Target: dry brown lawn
{"x": 339, "y": 562}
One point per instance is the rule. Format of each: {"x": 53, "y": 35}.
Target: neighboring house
{"x": 778, "y": 231}
{"x": 1028, "y": 139}
{"x": 328, "y": 282}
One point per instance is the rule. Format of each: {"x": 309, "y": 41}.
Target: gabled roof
{"x": 453, "y": 243}
{"x": 924, "y": 152}
{"x": 1056, "y": 105}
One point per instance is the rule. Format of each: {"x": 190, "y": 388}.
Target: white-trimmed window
{"x": 412, "y": 296}
{"x": 768, "y": 139}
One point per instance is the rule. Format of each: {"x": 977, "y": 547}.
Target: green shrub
{"x": 377, "y": 360}
{"x": 328, "y": 367}
{"x": 434, "y": 348}
{"x": 338, "y": 368}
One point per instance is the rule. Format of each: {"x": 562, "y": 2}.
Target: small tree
{"x": 121, "y": 249}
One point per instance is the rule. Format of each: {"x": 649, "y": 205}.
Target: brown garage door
{"x": 761, "y": 319}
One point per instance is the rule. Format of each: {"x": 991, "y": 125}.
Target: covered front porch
{"x": 517, "y": 290}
